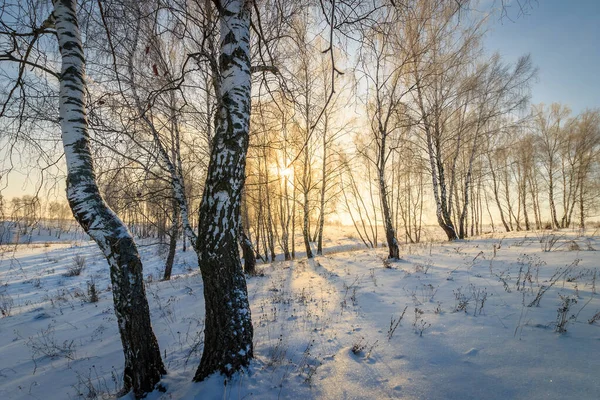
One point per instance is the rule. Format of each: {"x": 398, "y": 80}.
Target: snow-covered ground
{"x": 449, "y": 321}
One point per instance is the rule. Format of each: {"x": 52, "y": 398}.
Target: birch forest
{"x": 246, "y": 133}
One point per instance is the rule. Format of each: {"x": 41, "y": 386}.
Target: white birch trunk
{"x": 143, "y": 363}
{"x": 228, "y": 326}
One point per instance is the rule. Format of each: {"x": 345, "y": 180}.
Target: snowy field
{"x": 505, "y": 316}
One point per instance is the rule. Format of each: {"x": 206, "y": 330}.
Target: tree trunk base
{"x": 228, "y": 329}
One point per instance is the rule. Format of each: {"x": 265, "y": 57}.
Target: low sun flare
{"x": 286, "y": 172}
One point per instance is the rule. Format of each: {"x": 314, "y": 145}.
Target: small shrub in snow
{"x": 304, "y": 297}
{"x": 479, "y": 296}
{"x": 497, "y": 246}
{"x": 595, "y": 318}
{"x": 308, "y": 364}
{"x": 347, "y": 288}
{"x": 372, "y": 274}
{"x": 310, "y": 370}
{"x": 353, "y": 297}
{"x": 370, "y": 351}
{"x": 358, "y": 346}
{"x": 166, "y": 308}
{"x": 461, "y": 300}
{"x": 86, "y": 389}
{"x": 573, "y": 246}
{"x": 413, "y": 296}
{"x": 538, "y": 297}
{"x": 420, "y": 268}
{"x": 418, "y": 313}
{"x": 428, "y": 292}
{"x": 197, "y": 343}
{"x": 6, "y": 304}
{"x": 579, "y": 275}
{"x": 78, "y": 293}
{"x": 276, "y": 353}
{"x": 529, "y": 270}
{"x": 45, "y": 344}
{"x": 92, "y": 292}
{"x": 504, "y": 277}
{"x": 519, "y": 243}
{"x": 560, "y": 272}
{"x": 420, "y": 325}
{"x": 588, "y": 244}
{"x": 49, "y": 259}
{"x": 77, "y": 267}
{"x": 549, "y": 241}
{"x": 93, "y": 385}
{"x": 394, "y": 324}
{"x": 562, "y": 317}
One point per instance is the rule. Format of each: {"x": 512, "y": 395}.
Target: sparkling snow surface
{"x": 324, "y": 328}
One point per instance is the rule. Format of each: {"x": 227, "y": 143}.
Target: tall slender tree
{"x": 143, "y": 363}
{"x": 228, "y": 326}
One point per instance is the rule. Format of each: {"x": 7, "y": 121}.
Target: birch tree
{"x": 550, "y": 123}
{"x": 458, "y": 98}
{"x": 384, "y": 63}
{"x": 228, "y": 326}
{"x": 587, "y": 153}
{"x": 143, "y": 363}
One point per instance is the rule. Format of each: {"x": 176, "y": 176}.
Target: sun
{"x": 286, "y": 172}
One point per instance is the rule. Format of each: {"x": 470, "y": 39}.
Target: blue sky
{"x": 563, "y": 38}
